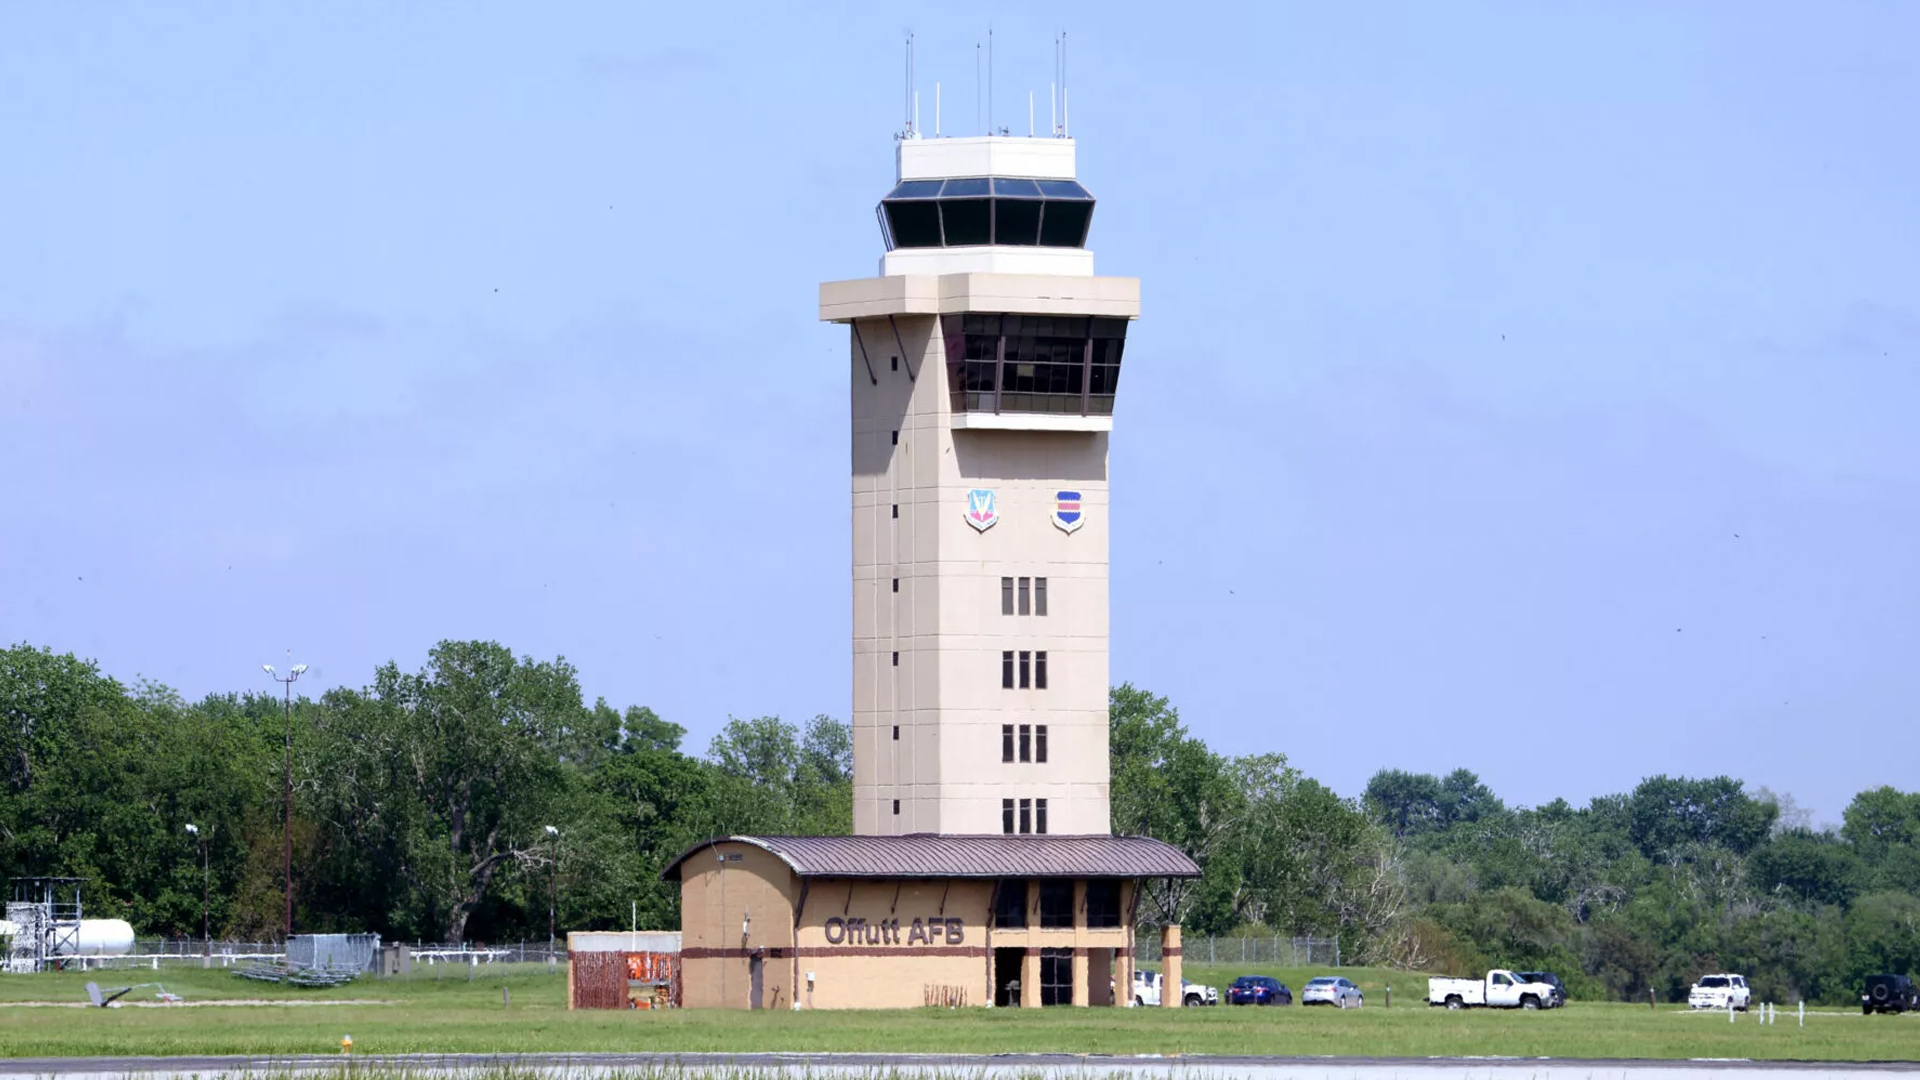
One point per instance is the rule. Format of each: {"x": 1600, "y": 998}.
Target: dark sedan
{"x": 1258, "y": 990}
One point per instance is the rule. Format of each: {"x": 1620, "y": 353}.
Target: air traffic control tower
{"x": 983, "y": 360}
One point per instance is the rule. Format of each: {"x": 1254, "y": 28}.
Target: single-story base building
{"x": 890, "y": 922}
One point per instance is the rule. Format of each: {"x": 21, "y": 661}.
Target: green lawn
{"x": 449, "y": 1014}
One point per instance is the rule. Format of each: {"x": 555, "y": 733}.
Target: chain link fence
{"x": 1273, "y": 950}
{"x": 428, "y": 959}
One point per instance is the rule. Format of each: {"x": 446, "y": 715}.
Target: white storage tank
{"x": 97, "y": 937}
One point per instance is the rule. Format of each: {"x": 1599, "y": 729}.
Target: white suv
{"x": 1720, "y": 992}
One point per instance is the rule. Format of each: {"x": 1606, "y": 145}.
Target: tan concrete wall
{"x": 858, "y": 938}
{"x": 944, "y": 693}
{"x": 716, "y": 898}
{"x": 858, "y": 941}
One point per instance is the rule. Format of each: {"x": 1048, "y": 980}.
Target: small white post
{"x": 1729, "y": 1008}
{"x": 1803, "y": 1012}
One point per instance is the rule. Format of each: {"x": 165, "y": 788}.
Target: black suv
{"x": 1548, "y": 977}
{"x": 1889, "y": 993}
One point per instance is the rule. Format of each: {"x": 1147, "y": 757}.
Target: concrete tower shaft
{"x": 983, "y": 377}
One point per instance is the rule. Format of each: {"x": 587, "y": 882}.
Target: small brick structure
{"x": 623, "y": 970}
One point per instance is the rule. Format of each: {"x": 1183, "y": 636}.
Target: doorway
{"x": 1006, "y": 977}
{"x": 756, "y": 974}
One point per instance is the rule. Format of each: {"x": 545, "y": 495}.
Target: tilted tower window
{"x": 1063, "y": 364}
{"x": 973, "y": 211}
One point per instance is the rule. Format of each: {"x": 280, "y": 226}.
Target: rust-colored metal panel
{"x": 606, "y": 980}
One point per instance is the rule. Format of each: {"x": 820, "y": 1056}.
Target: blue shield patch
{"x": 1067, "y": 515}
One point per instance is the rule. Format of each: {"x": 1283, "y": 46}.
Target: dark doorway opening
{"x": 1006, "y": 977}
{"x": 756, "y": 974}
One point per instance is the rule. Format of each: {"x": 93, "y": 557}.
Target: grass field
{"x": 423, "y": 1013}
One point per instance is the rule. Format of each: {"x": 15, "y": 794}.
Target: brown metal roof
{"x": 932, "y": 855}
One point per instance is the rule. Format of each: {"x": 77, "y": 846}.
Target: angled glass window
{"x": 968, "y": 211}
{"x": 1064, "y": 224}
{"x": 914, "y": 224}
{"x": 1016, "y": 221}
{"x": 915, "y": 189}
{"x": 1063, "y": 189}
{"x": 966, "y": 222}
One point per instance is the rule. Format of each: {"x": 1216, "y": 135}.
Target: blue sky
{"x": 1524, "y": 387}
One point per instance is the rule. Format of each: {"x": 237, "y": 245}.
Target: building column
{"x": 1030, "y": 978}
{"x": 1082, "y": 971}
{"x": 1170, "y": 995}
{"x": 1123, "y": 973}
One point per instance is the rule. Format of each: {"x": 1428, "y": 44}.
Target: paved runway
{"x": 987, "y": 1067}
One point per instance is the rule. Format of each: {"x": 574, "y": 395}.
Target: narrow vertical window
{"x": 1026, "y": 588}
{"x": 1026, "y": 815}
{"x": 1006, "y": 670}
{"x": 896, "y": 438}
{"x": 1006, "y": 815}
{"x": 896, "y": 510}
{"x": 1039, "y": 671}
{"x": 896, "y": 662}
{"x": 1006, "y": 596}
{"x": 1026, "y": 742}
{"x": 896, "y": 364}
{"x": 1006, "y": 742}
{"x": 1024, "y": 666}
{"x": 896, "y": 733}
{"x": 896, "y": 584}
{"x": 1043, "y": 812}
{"x": 1039, "y": 596}
{"x": 1039, "y": 815}
{"x": 1040, "y": 744}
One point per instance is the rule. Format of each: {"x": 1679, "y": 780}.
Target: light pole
{"x": 553, "y": 888}
{"x": 206, "y": 889}
{"x": 286, "y": 830}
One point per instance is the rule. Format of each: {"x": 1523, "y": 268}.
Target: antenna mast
{"x": 910, "y": 101}
{"x": 1065, "y": 111}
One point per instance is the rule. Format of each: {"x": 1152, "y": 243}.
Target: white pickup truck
{"x": 1501, "y": 989}
{"x": 1146, "y": 990}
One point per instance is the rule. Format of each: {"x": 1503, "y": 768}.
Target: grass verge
{"x": 448, "y": 1014}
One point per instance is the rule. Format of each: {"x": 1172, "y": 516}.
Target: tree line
{"x": 468, "y": 800}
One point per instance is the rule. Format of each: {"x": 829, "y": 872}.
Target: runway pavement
{"x": 987, "y": 1067}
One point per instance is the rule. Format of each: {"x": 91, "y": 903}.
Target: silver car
{"x": 1331, "y": 990}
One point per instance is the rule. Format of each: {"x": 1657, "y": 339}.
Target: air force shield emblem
{"x": 981, "y": 512}
{"x": 1066, "y": 511}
